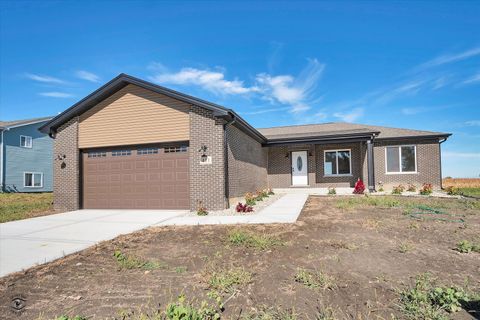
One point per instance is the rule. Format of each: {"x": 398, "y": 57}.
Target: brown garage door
{"x": 153, "y": 177}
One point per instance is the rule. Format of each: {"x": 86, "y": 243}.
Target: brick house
{"x": 133, "y": 144}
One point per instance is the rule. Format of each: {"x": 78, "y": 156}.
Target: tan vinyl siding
{"x": 134, "y": 115}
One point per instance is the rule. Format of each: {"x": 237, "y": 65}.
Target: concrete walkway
{"x": 29, "y": 242}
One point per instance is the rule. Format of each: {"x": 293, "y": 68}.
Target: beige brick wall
{"x": 247, "y": 163}
{"x": 207, "y": 181}
{"x": 66, "y": 177}
{"x": 428, "y": 164}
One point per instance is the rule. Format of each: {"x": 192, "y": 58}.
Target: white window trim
{"x": 336, "y": 159}
{"x": 33, "y": 179}
{"x": 31, "y": 141}
{"x": 400, "y": 159}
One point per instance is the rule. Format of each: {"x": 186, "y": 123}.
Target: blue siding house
{"x": 26, "y": 156}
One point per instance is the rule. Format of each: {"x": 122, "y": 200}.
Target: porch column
{"x": 370, "y": 166}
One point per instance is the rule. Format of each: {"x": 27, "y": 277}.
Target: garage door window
{"x": 147, "y": 151}
{"x": 119, "y": 153}
{"x": 97, "y": 154}
{"x": 175, "y": 149}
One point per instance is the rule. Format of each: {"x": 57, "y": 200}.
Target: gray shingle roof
{"x": 14, "y": 123}
{"x": 339, "y": 128}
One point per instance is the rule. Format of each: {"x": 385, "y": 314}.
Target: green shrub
{"x": 250, "y": 199}
{"x": 453, "y": 191}
{"x": 426, "y": 189}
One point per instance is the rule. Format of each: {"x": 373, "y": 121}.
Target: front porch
{"x": 321, "y": 165}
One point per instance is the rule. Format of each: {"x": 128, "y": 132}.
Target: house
{"x": 26, "y": 156}
{"x": 134, "y": 144}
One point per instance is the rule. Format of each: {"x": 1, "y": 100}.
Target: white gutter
{"x": 1, "y": 162}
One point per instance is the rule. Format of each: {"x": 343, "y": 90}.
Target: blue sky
{"x": 403, "y": 64}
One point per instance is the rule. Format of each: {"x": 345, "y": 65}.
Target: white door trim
{"x": 299, "y": 168}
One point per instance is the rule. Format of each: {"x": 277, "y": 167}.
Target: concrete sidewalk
{"x": 26, "y": 243}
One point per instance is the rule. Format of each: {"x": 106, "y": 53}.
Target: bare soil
{"x": 360, "y": 248}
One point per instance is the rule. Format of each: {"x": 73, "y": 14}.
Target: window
{"x": 118, "y": 153}
{"x": 337, "y": 162}
{"x": 33, "y": 179}
{"x": 175, "y": 149}
{"x": 25, "y": 141}
{"x": 401, "y": 159}
{"x": 147, "y": 151}
{"x": 97, "y": 154}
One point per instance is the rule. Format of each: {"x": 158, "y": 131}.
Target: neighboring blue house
{"x": 26, "y": 156}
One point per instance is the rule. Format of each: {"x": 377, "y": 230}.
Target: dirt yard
{"x": 345, "y": 258}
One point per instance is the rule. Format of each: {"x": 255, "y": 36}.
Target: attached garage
{"x": 138, "y": 177}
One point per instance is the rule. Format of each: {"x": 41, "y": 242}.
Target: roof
{"x": 23, "y": 122}
{"x": 289, "y": 134}
{"x": 123, "y": 80}
{"x": 344, "y": 129}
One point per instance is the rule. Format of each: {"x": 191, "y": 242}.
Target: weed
{"x": 181, "y": 269}
{"x": 229, "y": 279}
{"x": 264, "y": 313}
{"x": 372, "y": 224}
{"x": 314, "y": 279}
{"x": 466, "y": 246}
{"x": 342, "y": 245}
{"x": 251, "y": 240}
{"x": 132, "y": 262}
{"x": 405, "y": 247}
{"x": 68, "y": 318}
{"x": 425, "y": 301}
{"x": 325, "y": 314}
{"x": 332, "y": 191}
{"x": 181, "y": 310}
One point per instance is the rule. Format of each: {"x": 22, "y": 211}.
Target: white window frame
{"x": 400, "y": 159}
{"x": 336, "y": 159}
{"x": 33, "y": 179}
{"x": 28, "y": 146}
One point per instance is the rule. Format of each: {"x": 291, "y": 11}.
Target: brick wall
{"x": 66, "y": 177}
{"x": 247, "y": 163}
{"x": 207, "y": 181}
{"x": 428, "y": 164}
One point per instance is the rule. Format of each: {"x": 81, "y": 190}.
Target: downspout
{"x": 225, "y": 157}
{"x": 370, "y": 165}
{"x": 440, "y": 160}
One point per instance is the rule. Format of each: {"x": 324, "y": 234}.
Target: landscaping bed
{"x": 345, "y": 258}
{"x": 17, "y": 206}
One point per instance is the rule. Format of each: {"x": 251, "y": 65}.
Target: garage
{"x": 138, "y": 177}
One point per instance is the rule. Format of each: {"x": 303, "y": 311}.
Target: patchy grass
{"x": 466, "y": 246}
{"x": 425, "y": 301}
{"x": 356, "y": 202}
{"x": 17, "y": 206}
{"x": 314, "y": 279}
{"x": 131, "y": 262}
{"x": 265, "y": 313}
{"x": 252, "y": 240}
{"x": 228, "y": 280}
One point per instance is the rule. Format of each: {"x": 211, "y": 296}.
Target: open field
{"x": 466, "y": 186}
{"x": 345, "y": 258}
{"x": 17, "y": 206}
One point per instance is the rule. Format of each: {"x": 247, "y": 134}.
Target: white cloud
{"x": 288, "y": 90}
{"x": 213, "y": 81}
{"x": 452, "y": 154}
{"x": 89, "y": 76}
{"x": 472, "y": 123}
{"x": 472, "y": 79}
{"x": 351, "y": 116}
{"x": 262, "y": 111}
{"x": 56, "y": 94}
{"x": 44, "y": 78}
{"x": 449, "y": 58}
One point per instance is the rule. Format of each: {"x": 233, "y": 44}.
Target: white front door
{"x": 299, "y": 168}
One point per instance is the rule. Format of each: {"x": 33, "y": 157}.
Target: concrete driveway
{"x": 25, "y": 243}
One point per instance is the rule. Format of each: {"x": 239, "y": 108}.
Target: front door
{"x": 299, "y": 168}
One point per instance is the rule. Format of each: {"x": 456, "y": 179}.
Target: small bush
{"x": 411, "y": 187}
{"x": 398, "y": 189}
{"x": 426, "y": 189}
{"x": 250, "y": 240}
{"x": 243, "y": 208}
{"x": 453, "y": 191}
{"x": 201, "y": 209}
{"x": 359, "y": 187}
{"x": 314, "y": 280}
{"x": 466, "y": 246}
{"x": 332, "y": 191}
{"x": 250, "y": 199}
